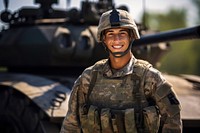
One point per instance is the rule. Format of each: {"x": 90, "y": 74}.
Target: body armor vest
{"x": 118, "y": 93}
{"x": 115, "y": 105}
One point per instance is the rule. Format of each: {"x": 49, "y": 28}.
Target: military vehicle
{"x": 44, "y": 50}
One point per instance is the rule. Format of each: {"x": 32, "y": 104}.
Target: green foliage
{"x": 181, "y": 59}
{"x": 173, "y": 19}
{"x": 184, "y": 56}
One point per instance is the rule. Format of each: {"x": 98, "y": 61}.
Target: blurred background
{"x": 184, "y": 56}
{"x": 45, "y": 49}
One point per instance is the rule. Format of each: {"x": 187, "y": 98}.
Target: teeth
{"x": 117, "y": 47}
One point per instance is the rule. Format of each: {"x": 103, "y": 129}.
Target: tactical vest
{"x": 119, "y": 105}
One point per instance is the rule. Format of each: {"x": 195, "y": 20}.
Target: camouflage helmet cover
{"x": 116, "y": 18}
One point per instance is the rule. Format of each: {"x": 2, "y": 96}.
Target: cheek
{"x": 107, "y": 41}
{"x": 128, "y": 40}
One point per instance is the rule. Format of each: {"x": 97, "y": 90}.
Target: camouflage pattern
{"x": 125, "y": 20}
{"x": 114, "y": 90}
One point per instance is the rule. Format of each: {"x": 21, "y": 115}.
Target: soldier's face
{"x": 117, "y": 39}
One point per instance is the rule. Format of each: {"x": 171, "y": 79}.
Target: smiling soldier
{"x": 121, "y": 94}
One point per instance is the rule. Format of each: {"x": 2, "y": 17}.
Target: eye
{"x": 123, "y": 33}
{"x": 109, "y": 34}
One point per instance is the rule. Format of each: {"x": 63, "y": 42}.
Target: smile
{"x": 117, "y": 46}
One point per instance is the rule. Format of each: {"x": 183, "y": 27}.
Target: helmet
{"x": 116, "y": 18}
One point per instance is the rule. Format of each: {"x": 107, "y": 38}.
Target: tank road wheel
{"x": 17, "y": 113}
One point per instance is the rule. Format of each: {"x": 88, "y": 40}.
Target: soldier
{"x": 121, "y": 94}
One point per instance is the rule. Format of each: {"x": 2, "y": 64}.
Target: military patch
{"x": 172, "y": 99}
{"x": 114, "y": 18}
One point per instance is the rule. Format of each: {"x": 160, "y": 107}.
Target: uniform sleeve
{"x": 167, "y": 102}
{"x": 170, "y": 108}
{"x": 71, "y": 121}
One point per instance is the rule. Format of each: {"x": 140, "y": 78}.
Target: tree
{"x": 183, "y": 56}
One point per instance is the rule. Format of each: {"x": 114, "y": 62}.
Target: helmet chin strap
{"x": 119, "y": 54}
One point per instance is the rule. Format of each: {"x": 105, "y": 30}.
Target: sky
{"x": 135, "y": 6}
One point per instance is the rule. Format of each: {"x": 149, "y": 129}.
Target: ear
{"x": 131, "y": 38}
{"x": 103, "y": 38}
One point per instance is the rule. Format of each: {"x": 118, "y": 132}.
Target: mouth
{"x": 117, "y": 46}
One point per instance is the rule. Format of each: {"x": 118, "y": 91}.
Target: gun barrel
{"x": 168, "y": 36}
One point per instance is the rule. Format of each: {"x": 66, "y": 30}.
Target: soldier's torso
{"x": 116, "y": 103}
{"x": 116, "y": 93}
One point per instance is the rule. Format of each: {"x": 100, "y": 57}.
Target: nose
{"x": 116, "y": 37}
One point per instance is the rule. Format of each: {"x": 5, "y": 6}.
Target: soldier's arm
{"x": 169, "y": 108}
{"x": 71, "y": 121}
{"x": 166, "y": 100}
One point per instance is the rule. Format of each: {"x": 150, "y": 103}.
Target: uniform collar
{"x": 126, "y": 70}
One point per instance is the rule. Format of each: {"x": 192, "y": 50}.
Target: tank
{"x": 44, "y": 50}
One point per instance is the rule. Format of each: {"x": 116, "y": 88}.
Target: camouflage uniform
{"x": 133, "y": 99}
{"x": 114, "y": 90}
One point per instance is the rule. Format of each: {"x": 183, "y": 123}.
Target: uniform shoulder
{"x": 150, "y": 73}
{"x": 101, "y": 62}
{"x": 98, "y": 65}
{"x": 143, "y": 63}
{"x": 146, "y": 65}
{"x": 143, "y": 66}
